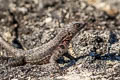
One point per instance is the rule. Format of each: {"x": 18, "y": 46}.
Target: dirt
{"x": 27, "y": 24}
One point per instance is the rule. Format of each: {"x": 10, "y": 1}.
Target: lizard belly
{"x": 39, "y": 61}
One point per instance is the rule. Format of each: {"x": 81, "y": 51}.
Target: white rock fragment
{"x": 49, "y": 19}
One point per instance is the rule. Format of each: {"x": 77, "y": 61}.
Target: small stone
{"x": 49, "y": 19}
{"x": 14, "y": 79}
{"x": 7, "y": 36}
{"x": 23, "y": 10}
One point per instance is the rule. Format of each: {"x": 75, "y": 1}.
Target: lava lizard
{"x": 47, "y": 53}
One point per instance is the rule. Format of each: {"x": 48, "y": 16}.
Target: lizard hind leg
{"x": 53, "y": 66}
{"x": 17, "y": 61}
{"x": 57, "y": 53}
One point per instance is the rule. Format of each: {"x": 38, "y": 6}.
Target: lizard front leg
{"x": 57, "y": 53}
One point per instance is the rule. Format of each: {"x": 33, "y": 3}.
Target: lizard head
{"x": 75, "y": 27}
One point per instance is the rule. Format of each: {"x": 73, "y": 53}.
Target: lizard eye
{"x": 62, "y": 46}
{"x": 77, "y": 24}
{"x": 69, "y": 33}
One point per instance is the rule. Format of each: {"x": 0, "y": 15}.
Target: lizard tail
{"x": 13, "y": 51}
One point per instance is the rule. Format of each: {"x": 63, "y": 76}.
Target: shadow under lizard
{"x": 47, "y": 53}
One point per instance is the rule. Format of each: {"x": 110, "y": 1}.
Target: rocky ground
{"x": 27, "y": 24}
